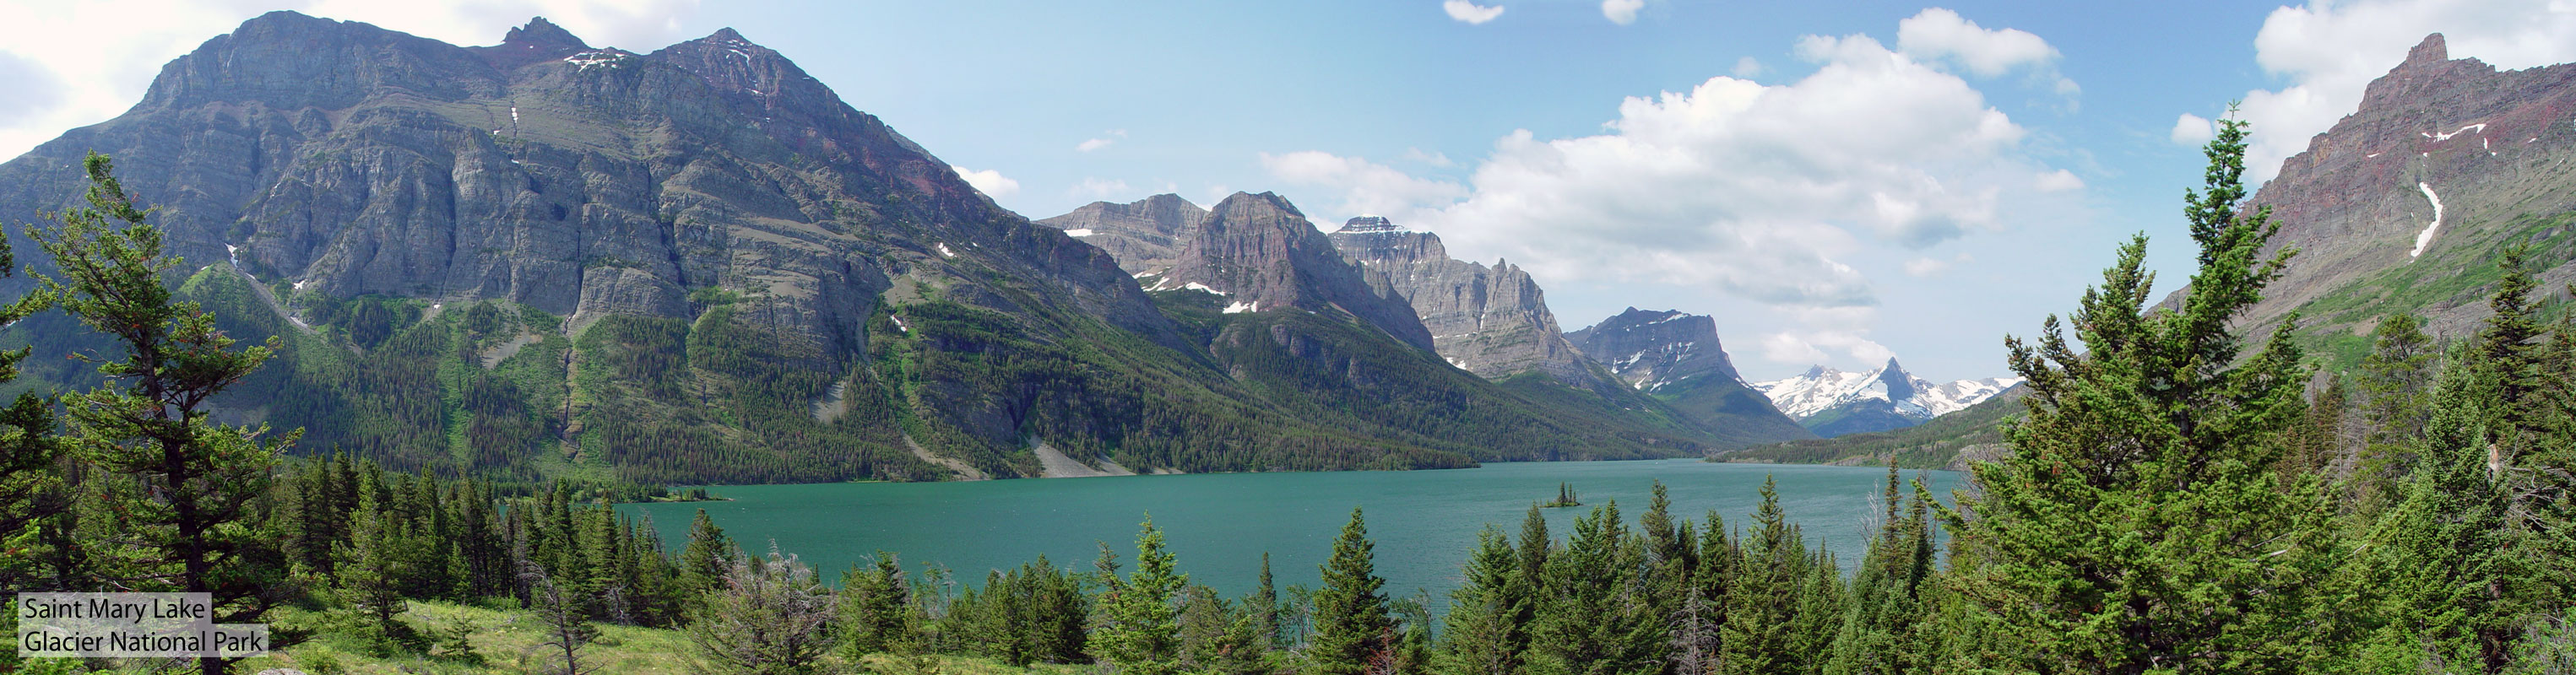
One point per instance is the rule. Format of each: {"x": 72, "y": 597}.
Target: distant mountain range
{"x": 1833, "y": 403}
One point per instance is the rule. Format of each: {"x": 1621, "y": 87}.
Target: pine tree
{"x": 2394, "y": 385}
{"x": 565, "y": 627}
{"x": 1598, "y": 618}
{"x": 2449, "y": 584}
{"x": 1140, "y": 635}
{"x": 706, "y": 559}
{"x": 1353, "y": 632}
{"x": 1698, "y": 628}
{"x": 766, "y": 617}
{"x": 1757, "y": 637}
{"x": 371, "y": 570}
{"x": 190, "y": 503}
{"x": 1264, "y": 607}
{"x": 31, "y": 481}
{"x": 1488, "y": 623}
{"x": 875, "y": 607}
{"x": 2140, "y": 524}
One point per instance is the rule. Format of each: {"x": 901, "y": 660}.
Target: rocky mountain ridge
{"x": 1834, "y": 402}
{"x": 2403, "y": 204}
{"x": 1491, "y": 321}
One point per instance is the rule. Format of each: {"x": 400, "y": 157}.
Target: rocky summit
{"x": 2403, "y": 205}
{"x": 1491, "y": 321}
{"x": 1146, "y": 235}
{"x": 1677, "y": 359}
{"x": 1833, "y": 402}
{"x": 1261, "y": 253}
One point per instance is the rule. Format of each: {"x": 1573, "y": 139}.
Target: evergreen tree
{"x": 2448, "y": 584}
{"x": 1698, "y": 628}
{"x": 1488, "y": 624}
{"x": 1264, "y": 607}
{"x": 1597, "y": 618}
{"x": 1140, "y": 635}
{"x": 706, "y": 560}
{"x": 370, "y": 577}
{"x": 875, "y": 607}
{"x": 1757, "y": 637}
{"x": 766, "y": 618}
{"x": 1353, "y": 632}
{"x": 2140, "y": 524}
{"x": 189, "y": 494}
{"x": 565, "y": 628}
{"x": 2394, "y": 385}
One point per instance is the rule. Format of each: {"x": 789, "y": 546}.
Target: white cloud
{"x": 1759, "y": 192}
{"x": 2329, "y": 52}
{"x": 1470, "y": 12}
{"x": 2060, "y": 180}
{"x": 1362, "y": 186}
{"x": 1747, "y": 67}
{"x": 93, "y": 59}
{"x": 2193, "y": 130}
{"x": 1097, "y": 188}
{"x": 1819, "y": 347}
{"x": 1622, "y": 12}
{"x": 1438, "y": 159}
{"x": 1102, "y": 141}
{"x": 1938, "y": 33}
{"x": 991, "y": 182}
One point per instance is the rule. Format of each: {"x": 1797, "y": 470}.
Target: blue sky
{"x": 1835, "y": 181}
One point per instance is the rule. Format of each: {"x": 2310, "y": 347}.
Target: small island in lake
{"x": 1564, "y": 498}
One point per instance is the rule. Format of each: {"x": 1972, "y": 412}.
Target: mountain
{"x": 1491, "y": 321}
{"x": 2403, "y": 205}
{"x": 1677, "y": 359}
{"x": 1262, "y": 253}
{"x": 1833, "y": 403}
{"x": 699, "y": 264}
{"x": 1946, "y": 442}
{"x": 1146, "y": 235}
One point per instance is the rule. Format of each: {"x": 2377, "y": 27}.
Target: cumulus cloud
{"x": 1102, "y": 141}
{"x": 1761, "y": 192}
{"x": 991, "y": 182}
{"x": 1361, "y": 186}
{"x": 1941, "y": 35}
{"x": 2190, "y": 129}
{"x": 1622, "y": 12}
{"x": 1938, "y": 33}
{"x": 2329, "y": 52}
{"x": 1472, "y": 13}
{"x": 1818, "y": 347}
{"x": 96, "y": 57}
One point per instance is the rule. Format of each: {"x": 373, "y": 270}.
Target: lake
{"x": 1423, "y": 522}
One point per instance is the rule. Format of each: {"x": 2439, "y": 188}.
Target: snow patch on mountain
{"x": 1821, "y": 389}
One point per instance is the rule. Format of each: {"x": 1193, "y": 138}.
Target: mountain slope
{"x": 2491, "y": 148}
{"x": 1945, "y": 442}
{"x": 694, "y": 265}
{"x": 1145, "y": 235}
{"x": 1677, "y": 359}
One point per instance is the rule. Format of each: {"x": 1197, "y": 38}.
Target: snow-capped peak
{"x": 1821, "y": 389}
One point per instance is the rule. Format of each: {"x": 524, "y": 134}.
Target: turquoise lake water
{"x": 1423, "y": 522}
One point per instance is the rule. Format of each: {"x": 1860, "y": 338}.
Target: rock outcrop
{"x": 1648, "y": 349}
{"x": 1146, "y": 235}
{"x": 1491, "y": 321}
{"x": 2402, "y": 204}
{"x": 1262, "y": 254}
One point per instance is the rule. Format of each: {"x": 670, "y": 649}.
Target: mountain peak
{"x": 2432, "y": 50}
{"x": 540, "y": 34}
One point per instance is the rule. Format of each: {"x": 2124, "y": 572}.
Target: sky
{"x": 1838, "y": 182}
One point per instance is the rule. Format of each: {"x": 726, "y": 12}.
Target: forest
{"x": 2180, "y": 498}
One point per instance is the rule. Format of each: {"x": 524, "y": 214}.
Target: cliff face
{"x": 2403, "y": 204}
{"x": 1262, "y": 254}
{"x": 1647, "y": 349}
{"x": 1146, "y": 235}
{"x": 657, "y": 265}
{"x": 349, "y": 160}
{"x": 1491, "y": 321}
